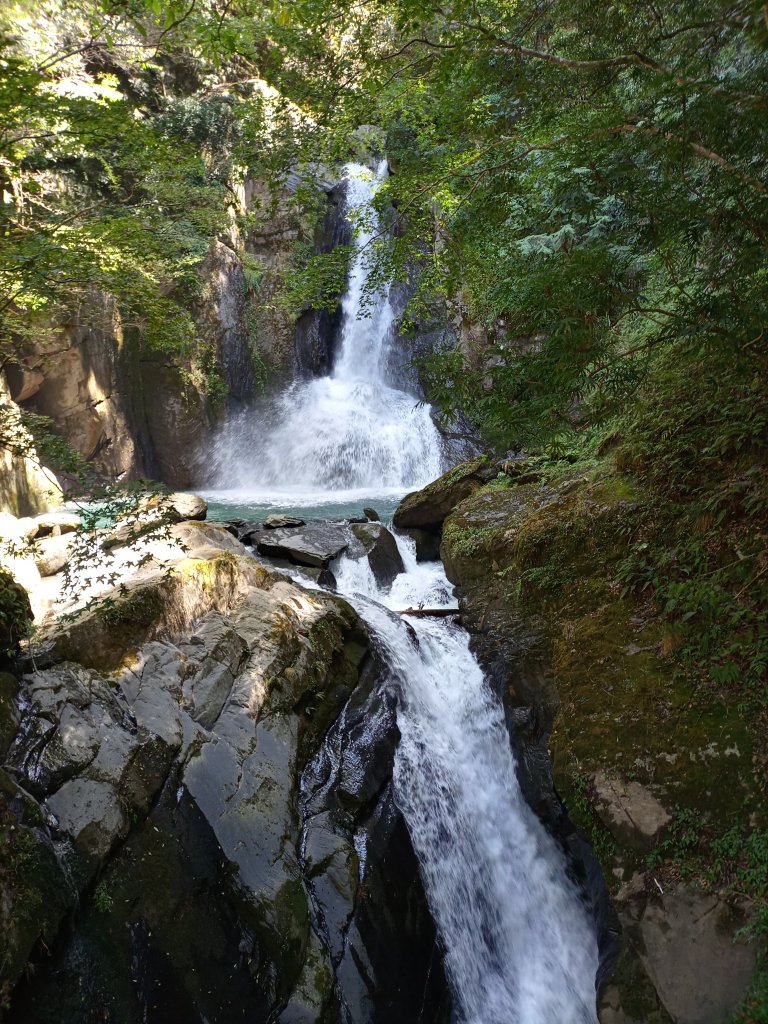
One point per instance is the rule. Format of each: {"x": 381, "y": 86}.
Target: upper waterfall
{"x": 354, "y": 430}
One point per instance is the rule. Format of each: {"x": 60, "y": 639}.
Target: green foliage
{"x": 102, "y": 898}
{"x": 600, "y": 839}
{"x": 316, "y": 279}
{"x": 15, "y": 615}
{"x": 699, "y": 553}
{"x": 735, "y": 860}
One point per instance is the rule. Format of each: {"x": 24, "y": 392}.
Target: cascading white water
{"x": 352, "y": 430}
{"x": 519, "y": 945}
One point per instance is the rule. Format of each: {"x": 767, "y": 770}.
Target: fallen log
{"x": 438, "y": 613}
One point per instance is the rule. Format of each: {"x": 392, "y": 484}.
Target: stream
{"x": 518, "y": 937}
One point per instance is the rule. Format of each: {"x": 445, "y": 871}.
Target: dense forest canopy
{"x": 589, "y": 182}
{"x": 585, "y": 185}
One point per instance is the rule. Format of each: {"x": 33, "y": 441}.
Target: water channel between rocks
{"x": 519, "y": 942}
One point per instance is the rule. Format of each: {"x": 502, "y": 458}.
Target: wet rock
{"x": 278, "y": 522}
{"x": 362, "y": 873}
{"x": 36, "y": 893}
{"x": 382, "y": 551}
{"x": 313, "y": 996}
{"x": 427, "y": 544}
{"x": 629, "y": 811}
{"x": 372, "y": 515}
{"x": 251, "y": 533}
{"x": 428, "y": 508}
{"x": 314, "y": 545}
{"x": 53, "y": 553}
{"x": 9, "y": 711}
{"x": 90, "y": 811}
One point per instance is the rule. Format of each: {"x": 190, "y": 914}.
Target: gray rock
{"x": 53, "y": 553}
{"x": 252, "y": 534}
{"x": 628, "y": 810}
{"x": 278, "y": 522}
{"x": 314, "y": 545}
{"x": 687, "y": 946}
{"x": 90, "y": 811}
{"x": 9, "y": 711}
{"x": 372, "y": 515}
{"x": 382, "y": 551}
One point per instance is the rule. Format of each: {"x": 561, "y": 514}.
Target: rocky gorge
{"x": 198, "y": 815}
{"x": 386, "y": 724}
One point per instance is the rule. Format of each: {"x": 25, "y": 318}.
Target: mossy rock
{"x": 429, "y": 507}
{"x": 34, "y": 894}
{"x": 9, "y": 711}
{"x": 159, "y": 604}
{"x": 16, "y": 617}
{"x": 547, "y": 555}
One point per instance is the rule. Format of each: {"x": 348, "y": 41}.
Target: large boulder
{"x": 178, "y": 507}
{"x": 428, "y": 508}
{"x": 688, "y": 942}
{"x": 18, "y": 561}
{"x": 381, "y": 549}
{"x": 159, "y": 600}
{"x": 53, "y": 553}
{"x": 315, "y": 545}
{"x": 51, "y": 524}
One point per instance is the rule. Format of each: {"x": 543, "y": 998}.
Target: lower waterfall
{"x": 519, "y": 944}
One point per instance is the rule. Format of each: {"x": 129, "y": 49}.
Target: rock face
{"x": 581, "y": 671}
{"x": 132, "y": 409}
{"x": 207, "y": 771}
{"x": 26, "y": 487}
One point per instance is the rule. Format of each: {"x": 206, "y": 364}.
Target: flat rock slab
{"x": 628, "y": 810}
{"x": 315, "y": 545}
{"x": 280, "y": 522}
{"x": 51, "y": 524}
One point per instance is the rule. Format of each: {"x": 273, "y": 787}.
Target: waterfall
{"x": 519, "y": 944}
{"x": 354, "y": 430}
